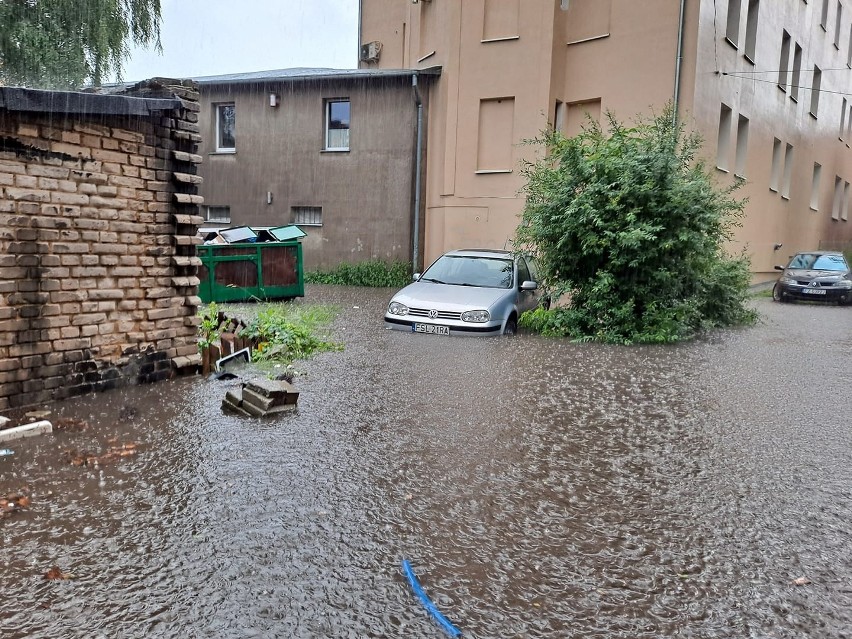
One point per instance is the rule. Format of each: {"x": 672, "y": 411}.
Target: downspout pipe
{"x": 418, "y": 159}
{"x": 679, "y": 60}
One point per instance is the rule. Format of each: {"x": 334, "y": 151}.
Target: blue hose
{"x": 427, "y": 603}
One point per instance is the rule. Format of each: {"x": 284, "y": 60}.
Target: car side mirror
{"x": 529, "y": 285}
{"x": 415, "y": 277}
{"x": 779, "y": 268}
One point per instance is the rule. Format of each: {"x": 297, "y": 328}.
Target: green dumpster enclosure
{"x": 243, "y": 263}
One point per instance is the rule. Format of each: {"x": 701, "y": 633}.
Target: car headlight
{"x": 476, "y": 316}
{"x": 843, "y": 284}
{"x": 395, "y": 308}
{"x": 786, "y": 279}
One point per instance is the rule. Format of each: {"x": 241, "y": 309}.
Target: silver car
{"x": 467, "y": 292}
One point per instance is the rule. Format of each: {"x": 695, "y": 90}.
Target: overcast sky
{"x": 211, "y": 37}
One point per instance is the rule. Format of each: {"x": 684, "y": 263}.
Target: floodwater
{"x": 539, "y": 489}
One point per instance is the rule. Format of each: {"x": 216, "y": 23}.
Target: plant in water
{"x": 629, "y": 224}
{"x": 208, "y": 329}
{"x": 287, "y": 332}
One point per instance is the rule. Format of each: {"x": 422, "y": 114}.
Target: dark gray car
{"x": 815, "y": 276}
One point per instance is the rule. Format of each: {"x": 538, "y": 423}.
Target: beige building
{"x": 767, "y": 84}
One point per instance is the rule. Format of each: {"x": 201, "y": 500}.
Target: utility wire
{"x": 799, "y": 86}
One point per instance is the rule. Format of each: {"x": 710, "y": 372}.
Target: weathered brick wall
{"x": 97, "y": 248}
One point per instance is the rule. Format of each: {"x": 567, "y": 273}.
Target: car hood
{"x": 811, "y": 274}
{"x": 449, "y": 296}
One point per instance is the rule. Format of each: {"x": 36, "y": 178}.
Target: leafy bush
{"x": 285, "y": 332}
{"x": 629, "y": 224}
{"x": 370, "y": 273}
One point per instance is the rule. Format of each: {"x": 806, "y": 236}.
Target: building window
{"x": 849, "y": 123}
{"x": 724, "y": 145}
{"x": 751, "y": 29}
{"x": 307, "y": 215}
{"x": 732, "y": 31}
{"x": 777, "y": 156}
{"x": 220, "y": 214}
{"x": 797, "y": 73}
{"x": 843, "y": 119}
{"x": 226, "y": 120}
{"x": 844, "y": 209}
{"x": 849, "y": 52}
{"x": 788, "y": 172}
{"x": 815, "y": 186}
{"x": 784, "y": 62}
{"x": 837, "y": 26}
{"x": 823, "y": 18}
{"x": 337, "y": 125}
{"x": 742, "y": 146}
{"x": 838, "y": 198}
{"x": 815, "y": 90}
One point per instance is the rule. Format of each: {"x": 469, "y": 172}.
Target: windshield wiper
{"x": 429, "y": 279}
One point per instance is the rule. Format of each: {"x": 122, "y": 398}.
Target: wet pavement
{"x": 539, "y": 489}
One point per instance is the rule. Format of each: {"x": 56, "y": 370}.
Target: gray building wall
{"x": 366, "y": 193}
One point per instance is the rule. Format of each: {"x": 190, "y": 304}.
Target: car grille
{"x": 424, "y": 312}
{"x": 816, "y": 285}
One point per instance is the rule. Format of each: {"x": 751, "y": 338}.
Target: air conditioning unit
{"x": 371, "y": 51}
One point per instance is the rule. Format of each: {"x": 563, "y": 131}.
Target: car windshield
{"x": 818, "y": 262}
{"x": 468, "y": 270}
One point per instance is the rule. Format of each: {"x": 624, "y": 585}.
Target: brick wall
{"x": 98, "y": 214}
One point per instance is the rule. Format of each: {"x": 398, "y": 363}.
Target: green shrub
{"x": 376, "y": 273}
{"x": 287, "y": 332}
{"x": 629, "y": 224}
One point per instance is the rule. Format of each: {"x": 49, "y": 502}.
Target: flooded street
{"x": 539, "y": 489}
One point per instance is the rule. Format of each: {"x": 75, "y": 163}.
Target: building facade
{"x": 766, "y": 84}
{"x": 334, "y": 151}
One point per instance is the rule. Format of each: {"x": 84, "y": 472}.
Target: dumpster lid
{"x": 238, "y": 234}
{"x": 284, "y": 233}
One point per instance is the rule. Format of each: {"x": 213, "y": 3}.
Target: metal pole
{"x": 417, "y": 170}
{"x": 679, "y": 60}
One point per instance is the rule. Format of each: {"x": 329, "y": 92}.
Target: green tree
{"x": 630, "y": 226}
{"x": 67, "y": 43}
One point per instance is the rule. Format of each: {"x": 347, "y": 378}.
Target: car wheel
{"x": 777, "y": 295}
{"x": 511, "y": 326}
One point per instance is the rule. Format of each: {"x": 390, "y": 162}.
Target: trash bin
{"x": 263, "y": 264}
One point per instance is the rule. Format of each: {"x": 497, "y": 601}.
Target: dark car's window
{"x": 818, "y": 262}
{"x": 471, "y": 271}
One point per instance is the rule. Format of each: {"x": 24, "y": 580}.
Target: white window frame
{"x": 315, "y": 212}
{"x": 219, "y": 147}
{"x": 328, "y": 103}
{"x": 219, "y": 219}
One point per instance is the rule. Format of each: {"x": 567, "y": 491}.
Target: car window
{"x": 469, "y": 270}
{"x": 830, "y": 263}
{"x": 523, "y": 271}
{"x": 818, "y": 262}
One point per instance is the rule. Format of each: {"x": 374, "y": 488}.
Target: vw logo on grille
{"x": 433, "y": 314}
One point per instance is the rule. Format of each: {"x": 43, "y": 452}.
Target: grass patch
{"x": 374, "y": 273}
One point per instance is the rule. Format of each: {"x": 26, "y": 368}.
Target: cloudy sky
{"x": 210, "y": 37}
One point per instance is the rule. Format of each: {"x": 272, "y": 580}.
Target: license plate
{"x": 813, "y": 291}
{"x": 431, "y": 329}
